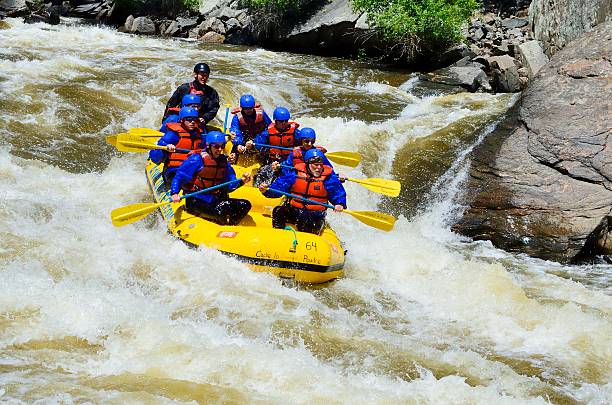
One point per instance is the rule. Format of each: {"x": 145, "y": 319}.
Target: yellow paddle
{"x": 390, "y": 188}
{"x": 386, "y": 187}
{"x": 137, "y": 145}
{"x": 134, "y": 212}
{"x": 350, "y": 159}
{"x": 374, "y": 219}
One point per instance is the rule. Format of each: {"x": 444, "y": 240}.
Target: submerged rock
{"x": 542, "y": 182}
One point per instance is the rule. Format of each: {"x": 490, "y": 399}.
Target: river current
{"x": 91, "y": 313}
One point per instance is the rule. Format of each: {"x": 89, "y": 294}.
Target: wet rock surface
{"x": 542, "y": 182}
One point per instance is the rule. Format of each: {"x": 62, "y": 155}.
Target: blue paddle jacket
{"x": 187, "y": 171}
{"x": 235, "y": 127}
{"x": 171, "y": 137}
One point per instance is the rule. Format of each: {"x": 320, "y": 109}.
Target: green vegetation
{"x": 193, "y": 5}
{"x": 282, "y": 5}
{"x": 414, "y": 22}
{"x": 161, "y": 7}
{"x": 270, "y": 14}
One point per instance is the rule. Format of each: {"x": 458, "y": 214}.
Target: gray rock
{"x": 515, "y": 32}
{"x": 206, "y": 25}
{"x": 225, "y": 13}
{"x": 232, "y": 25}
{"x": 173, "y": 29}
{"x": 542, "y": 183}
{"x": 334, "y": 13}
{"x": 218, "y": 26}
{"x": 362, "y": 22}
{"x": 510, "y": 23}
{"x": 185, "y": 24}
{"x": 532, "y": 57}
{"x": 244, "y": 19}
{"x": 469, "y": 77}
{"x": 478, "y": 35}
{"x": 206, "y": 6}
{"x": 128, "y": 23}
{"x": 556, "y": 23}
{"x": 143, "y": 25}
{"x": 506, "y": 74}
{"x": 213, "y": 37}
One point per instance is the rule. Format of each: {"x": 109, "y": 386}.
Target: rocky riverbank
{"x": 500, "y": 54}
{"x": 542, "y": 182}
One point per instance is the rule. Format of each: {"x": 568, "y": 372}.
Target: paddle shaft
{"x": 263, "y": 145}
{"x": 302, "y": 198}
{"x": 145, "y": 145}
{"x": 211, "y": 188}
{"x": 227, "y": 108}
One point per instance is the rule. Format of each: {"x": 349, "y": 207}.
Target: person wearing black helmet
{"x": 209, "y": 96}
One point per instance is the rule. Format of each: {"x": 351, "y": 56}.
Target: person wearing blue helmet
{"x": 209, "y": 97}
{"x": 280, "y": 133}
{"x": 249, "y": 120}
{"x": 207, "y": 169}
{"x": 184, "y": 134}
{"x": 189, "y": 100}
{"x": 305, "y": 139}
{"x": 312, "y": 180}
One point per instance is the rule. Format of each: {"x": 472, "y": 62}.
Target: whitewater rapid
{"x": 94, "y": 313}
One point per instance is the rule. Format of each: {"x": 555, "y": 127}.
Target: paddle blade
{"x": 125, "y": 145}
{"x": 374, "y": 219}
{"x": 386, "y": 187}
{"x": 132, "y": 213}
{"x": 112, "y": 140}
{"x": 350, "y": 159}
{"x": 146, "y": 132}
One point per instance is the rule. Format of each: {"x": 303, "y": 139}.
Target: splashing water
{"x": 89, "y": 312}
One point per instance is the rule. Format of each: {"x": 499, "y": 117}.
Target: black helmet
{"x": 201, "y": 68}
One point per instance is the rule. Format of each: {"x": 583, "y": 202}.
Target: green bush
{"x": 193, "y": 5}
{"x": 418, "y": 22}
{"x": 155, "y": 7}
{"x": 277, "y": 4}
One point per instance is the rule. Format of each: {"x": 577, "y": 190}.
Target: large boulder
{"x": 556, "y": 23}
{"x": 13, "y": 8}
{"x": 143, "y": 25}
{"x": 542, "y": 183}
{"x": 471, "y": 78}
{"x": 335, "y": 29}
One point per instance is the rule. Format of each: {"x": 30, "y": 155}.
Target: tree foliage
{"x": 430, "y": 21}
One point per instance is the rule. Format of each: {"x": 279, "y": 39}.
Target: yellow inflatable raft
{"x": 287, "y": 253}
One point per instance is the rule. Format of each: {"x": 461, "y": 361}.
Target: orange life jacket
{"x": 285, "y": 139}
{"x": 214, "y": 172}
{"x": 298, "y": 154}
{"x": 308, "y": 186}
{"x": 185, "y": 142}
{"x": 193, "y": 90}
{"x": 250, "y": 128}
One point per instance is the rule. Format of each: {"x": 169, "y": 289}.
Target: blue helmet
{"x": 313, "y": 154}
{"x": 191, "y": 99}
{"x": 171, "y": 118}
{"x": 247, "y": 101}
{"x": 281, "y": 114}
{"x": 215, "y": 137}
{"x": 188, "y": 112}
{"x": 306, "y": 133}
